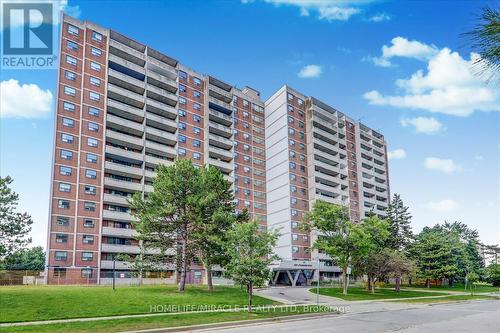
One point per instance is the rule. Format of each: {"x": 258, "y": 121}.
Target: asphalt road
{"x": 473, "y": 317}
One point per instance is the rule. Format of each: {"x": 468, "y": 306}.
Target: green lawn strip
{"x": 57, "y": 302}
{"x": 360, "y": 294}
{"x": 457, "y": 287}
{"x": 453, "y": 298}
{"x": 174, "y": 320}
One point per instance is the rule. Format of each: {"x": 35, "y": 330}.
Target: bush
{"x": 493, "y": 274}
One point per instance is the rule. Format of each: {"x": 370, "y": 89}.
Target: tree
{"x": 14, "y": 226}
{"x": 216, "y": 207}
{"x": 250, "y": 252}
{"x": 168, "y": 215}
{"x": 485, "y": 38}
{"x": 399, "y": 223}
{"x": 493, "y": 274}
{"x": 26, "y": 259}
{"x": 398, "y": 265}
{"x": 339, "y": 237}
{"x": 471, "y": 279}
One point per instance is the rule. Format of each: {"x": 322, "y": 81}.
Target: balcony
{"x": 124, "y": 125}
{"x": 219, "y": 129}
{"x": 115, "y": 248}
{"x": 123, "y": 139}
{"x": 115, "y": 199}
{"x": 220, "y": 105}
{"x": 119, "y": 232}
{"x": 155, "y": 120}
{"x": 162, "y": 81}
{"x": 161, "y": 67}
{"x": 219, "y": 93}
{"x": 119, "y": 185}
{"x": 126, "y": 52}
{"x": 220, "y": 117}
{"x": 125, "y": 110}
{"x": 153, "y": 162}
{"x": 117, "y": 216}
{"x": 123, "y": 170}
{"x": 128, "y": 155}
{"x": 148, "y": 188}
{"x": 125, "y": 96}
{"x": 225, "y": 155}
{"x": 220, "y": 142}
{"x": 326, "y": 146}
{"x": 149, "y": 175}
{"x": 161, "y": 95}
{"x": 325, "y": 136}
{"x": 160, "y": 108}
{"x": 126, "y": 81}
{"x": 160, "y": 149}
{"x": 155, "y": 134}
{"x": 128, "y": 64}
{"x": 225, "y": 167}
{"x": 108, "y": 264}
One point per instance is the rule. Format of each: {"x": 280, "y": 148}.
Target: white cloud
{"x": 448, "y": 86}
{"x": 23, "y": 101}
{"x": 402, "y": 47}
{"x": 427, "y": 125}
{"x": 379, "y": 18}
{"x": 396, "y": 154}
{"x": 443, "y": 165}
{"x": 310, "y": 71}
{"x": 443, "y": 206}
{"x": 327, "y": 10}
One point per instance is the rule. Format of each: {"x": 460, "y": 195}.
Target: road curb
{"x": 237, "y": 323}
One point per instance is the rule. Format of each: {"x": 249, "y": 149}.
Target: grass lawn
{"x": 360, "y": 294}
{"x": 452, "y": 298}
{"x": 457, "y": 287}
{"x": 120, "y": 325}
{"x": 30, "y": 303}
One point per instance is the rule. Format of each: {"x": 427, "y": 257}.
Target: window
{"x": 70, "y": 75}
{"x": 182, "y": 100}
{"x": 196, "y": 81}
{"x": 182, "y": 75}
{"x": 71, "y": 60}
{"x": 290, "y": 97}
{"x": 196, "y": 130}
{"x": 71, "y": 45}
{"x": 182, "y": 138}
{"x": 91, "y": 142}
{"x": 182, "y": 88}
{"x": 295, "y": 249}
{"x": 292, "y": 142}
{"x": 293, "y": 201}
{"x": 93, "y": 111}
{"x": 95, "y": 66}
{"x": 64, "y": 187}
{"x": 196, "y": 156}
{"x": 87, "y": 256}
{"x": 62, "y": 221}
{"x": 73, "y": 30}
{"x": 89, "y": 206}
{"x": 96, "y": 36}
{"x": 196, "y": 106}
{"x": 89, "y": 189}
{"x": 93, "y": 127}
{"x": 292, "y": 165}
{"x": 88, "y": 239}
{"x": 61, "y": 256}
{"x": 245, "y": 103}
{"x": 69, "y": 106}
{"x": 69, "y": 91}
{"x": 61, "y": 238}
{"x": 295, "y": 225}
{"x": 294, "y": 212}
{"x": 66, "y": 154}
{"x": 196, "y": 118}
{"x": 295, "y": 237}
{"x": 95, "y": 81}
{"x": 92, "y": 174}
{"x": 182, "y": 152}
{"x": 96, "y": 52}
{"x": 182, "y": 113}
{"x": 87, "y": 273}
{"x": 290, "y": 108}
{"x": 182, "y": 126}
{"x": 196, "y": 94}
{"x": 196, "y": 143}
{"x": 64, "y": 170}
{"x": 88, "y": 223}
{"x": 94, "y": 96}
{"x": 300, "y": 102}
{"x": 63, "y": 204}
{"x": 91, "y": 158}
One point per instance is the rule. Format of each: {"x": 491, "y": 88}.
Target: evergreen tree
{"x": 399, "y": 224}
{"x": 26, "y": 259}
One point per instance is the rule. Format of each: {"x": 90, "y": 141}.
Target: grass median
{"x": 361, "y": 294}
{"x": 34, "y": 303}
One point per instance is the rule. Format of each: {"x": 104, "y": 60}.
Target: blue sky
{"x": 442, "y": 123}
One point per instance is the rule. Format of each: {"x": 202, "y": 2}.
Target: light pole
{"x": 114, "y": 273}
{"x": 317, "y": 284}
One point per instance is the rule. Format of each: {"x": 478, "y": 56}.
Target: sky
{"x": 401, "y": 67}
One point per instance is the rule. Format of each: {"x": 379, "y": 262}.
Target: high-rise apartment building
{"x": 122, "y": 109}
{"x": 315, "y": 152}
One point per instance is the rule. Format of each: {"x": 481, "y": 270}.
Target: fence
{"x": 20, "y": 277}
